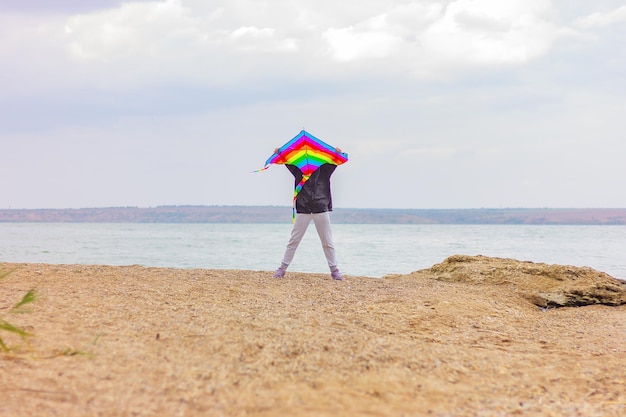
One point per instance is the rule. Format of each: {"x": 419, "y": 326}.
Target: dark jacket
{"x": 315, "y": 196}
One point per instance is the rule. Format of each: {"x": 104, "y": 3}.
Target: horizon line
{"x": 335, "y": 208}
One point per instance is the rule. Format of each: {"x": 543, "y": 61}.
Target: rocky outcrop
{"x": 544, "y": 285}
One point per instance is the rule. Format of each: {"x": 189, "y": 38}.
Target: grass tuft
{"x": 5, "y": 326}
{"x": 28, "y": 298}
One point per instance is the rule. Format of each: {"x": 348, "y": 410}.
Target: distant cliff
{"x": 277, "y": 214}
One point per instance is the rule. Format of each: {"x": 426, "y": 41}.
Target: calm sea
{"x": 366, "y": 250}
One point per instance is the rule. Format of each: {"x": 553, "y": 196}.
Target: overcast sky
{"x": 439, "y": 104}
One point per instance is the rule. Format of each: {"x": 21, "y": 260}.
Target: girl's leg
{"x": 322, "y": 225}
{"x": 297, "y": 232}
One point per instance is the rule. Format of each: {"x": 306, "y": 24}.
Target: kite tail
{"x": 293, "y": 209}
{"x": 295, "y": 196}
{"x": 262, "y": 169}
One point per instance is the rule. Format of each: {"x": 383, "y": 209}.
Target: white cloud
{"x": 426, "y": 38}
{"x": 347, "y": 44}
{"x": 184, "y": 38}
{"x": 174, "y": 39}
{"x": 251, "y": 38}
{"x": 132, "y": 29}
{"x": 490, "y": 32}
{"x": 602, "y": 19}
{"x": 175, "y": 28}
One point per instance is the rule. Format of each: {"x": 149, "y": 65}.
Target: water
{"x": 366, "y": 250}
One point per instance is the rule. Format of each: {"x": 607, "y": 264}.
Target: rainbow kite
{"x": 308, "y": 153}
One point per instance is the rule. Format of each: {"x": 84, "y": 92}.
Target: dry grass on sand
{"x": 135, "y": 341}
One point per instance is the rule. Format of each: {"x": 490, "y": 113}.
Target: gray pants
{"x": 322, "y": 225}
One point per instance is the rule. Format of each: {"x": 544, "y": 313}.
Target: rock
{"x": 544, "y": 285}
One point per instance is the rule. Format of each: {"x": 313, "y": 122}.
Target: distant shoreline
{"x": 281, "y": 214}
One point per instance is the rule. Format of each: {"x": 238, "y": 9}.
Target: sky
{"x": 439, "y": 104}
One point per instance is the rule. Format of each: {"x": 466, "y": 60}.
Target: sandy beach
{"x": 468, "y": 337}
